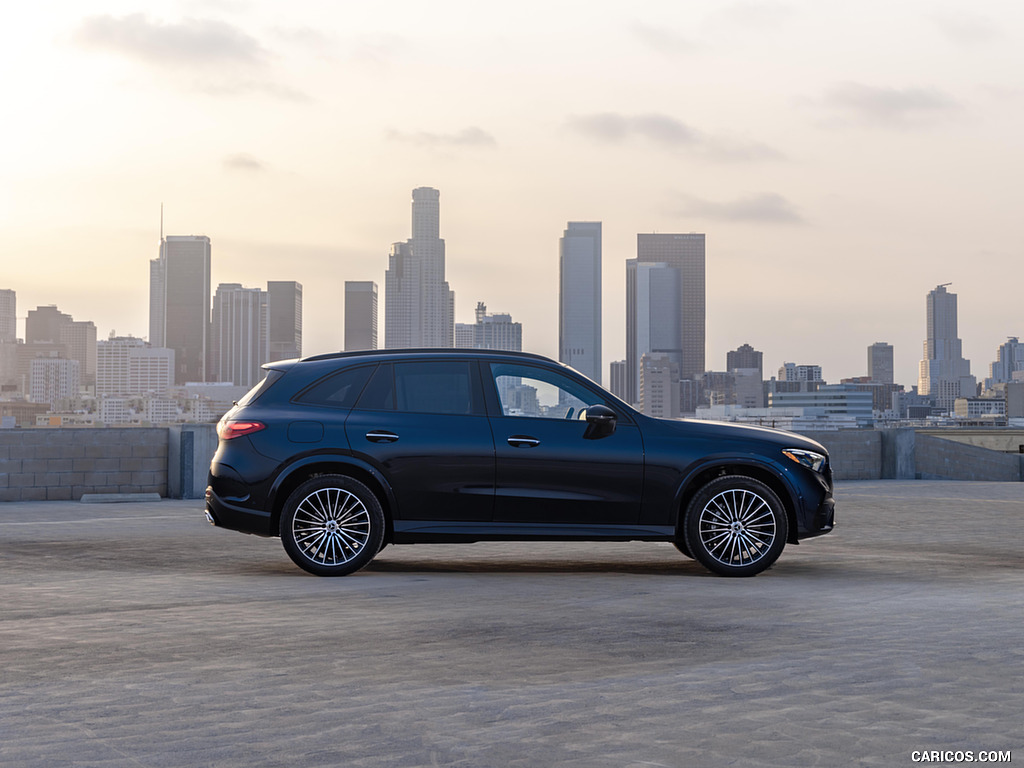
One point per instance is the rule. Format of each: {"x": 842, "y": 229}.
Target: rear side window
{"x": 441, "y": 386}
{"x": 339, "y": 390}
{"x": 266, "y": 383}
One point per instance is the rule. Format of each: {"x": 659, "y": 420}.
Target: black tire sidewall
{"x": 691, "y": 525}
{"x": 356, "y": 488}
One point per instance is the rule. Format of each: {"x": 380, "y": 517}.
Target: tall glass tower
{"x": 579, "y": 298}
{"x": 944, "y": 373}
{"x": 179, "y": 303}
{"x": 419, "y": 307}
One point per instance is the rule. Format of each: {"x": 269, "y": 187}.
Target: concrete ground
{"x": 137, "y": 635}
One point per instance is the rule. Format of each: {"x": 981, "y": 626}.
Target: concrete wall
{"x": 856, "y": 454}
{"x": 940, "y": 459}
{"x": 42, "y": 464}
{"x": 190, "y": 449}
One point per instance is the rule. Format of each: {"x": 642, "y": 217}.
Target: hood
{"x": 730, "y": 431}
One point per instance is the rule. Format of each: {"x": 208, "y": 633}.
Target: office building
{"x": 665, "y": 307}
{"x": 659, "y": 387}
{"x": 465, "y": 335}
{"x": 794, "y": 372}
{"x": 179, "y": 303}
{"x": 126, "y": 365}
{"x": 360, "y": 315}
{"x": 239, "y": 343}
{"x": 48, "y": 325}
{"x": 284, "y": 329}
{"x": 617, "y": 378}
{"x": 579, "y": 298}
{"x": 745, "y": 356}
{"x": 944, "y": 373}
{"x": 880, "y": 363}
{"x": 53, "y": 379}
{"x": 419, "y": 307}
{"x": 8, "y": 315}
{"x": 1009, "y": 360}
{"x": 490, "y": 331}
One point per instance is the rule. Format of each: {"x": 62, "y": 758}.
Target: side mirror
{"x": 600, "y": 422}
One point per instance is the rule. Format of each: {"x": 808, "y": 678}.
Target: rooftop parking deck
{"x": 138, "y": 635}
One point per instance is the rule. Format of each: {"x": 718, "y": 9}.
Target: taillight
{"x": 228, "y": 430}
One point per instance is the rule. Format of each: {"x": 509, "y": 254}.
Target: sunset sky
{"x": 842, "y": 158}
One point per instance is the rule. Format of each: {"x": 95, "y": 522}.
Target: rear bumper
{"x": 225, "y": 514}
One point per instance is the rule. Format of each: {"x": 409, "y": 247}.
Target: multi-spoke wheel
{"x": 332, "y": 525}
{"x": 735, "y": 526}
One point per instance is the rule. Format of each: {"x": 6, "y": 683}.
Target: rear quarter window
{"x": 339, "y": 390}
{"x": 265, "y": 383}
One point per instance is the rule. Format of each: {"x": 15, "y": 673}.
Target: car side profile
{"x": 342, "y": 454}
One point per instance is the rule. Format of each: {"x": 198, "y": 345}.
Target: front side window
{"x": 525, "y": 390}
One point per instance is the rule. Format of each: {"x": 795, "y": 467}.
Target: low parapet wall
{"x": 64, "y": 464}
{"x": 56, "y": 464}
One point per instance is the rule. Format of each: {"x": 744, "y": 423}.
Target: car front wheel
{"x": 735, "y": 526}
{"x": 332, "y": 525}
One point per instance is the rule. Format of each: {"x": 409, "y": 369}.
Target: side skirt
{"x": 441, "y": 531}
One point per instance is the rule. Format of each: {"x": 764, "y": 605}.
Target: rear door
{"x": 422, "y": 423}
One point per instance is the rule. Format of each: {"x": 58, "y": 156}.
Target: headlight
{"x": 808, "y": 459}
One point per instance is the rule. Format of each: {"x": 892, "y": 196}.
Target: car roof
{"x": 426, "y": 352}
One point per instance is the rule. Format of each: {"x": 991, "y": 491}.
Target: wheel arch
{"x": 314, "y": 466}
{"x": 704, "y": 474}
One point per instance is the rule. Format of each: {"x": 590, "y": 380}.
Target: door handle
{"x": 523, "y": 441}
{"x": 381, "y": 436}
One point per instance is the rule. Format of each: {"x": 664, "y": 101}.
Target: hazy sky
{"x": 842, "y": 158}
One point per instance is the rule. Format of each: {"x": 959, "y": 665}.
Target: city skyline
{"x": 840, "y": 192}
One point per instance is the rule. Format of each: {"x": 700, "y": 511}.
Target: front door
{"x": 548, "y": 471}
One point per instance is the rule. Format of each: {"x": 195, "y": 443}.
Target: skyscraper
{"x": 1009, "y": 360}
{"x": 48, "y": 325}
{"x": 652, "y": 313}
{"x": 8, "y": 315}
{"x": 880, "y": 363}
{"x": 360, "y": 314}
{"x": 284, "y": 331}
{"x": 944, "y": 373}
{"x": 179, "y": 303}
{"x": 238, "y": 340}
{"x": 419, "y": 307}
{"x": 666, "y": 285}
{"x": 687, "y": 254}
{"x": 579, "y": 298}
{"x": 745, "y": 356}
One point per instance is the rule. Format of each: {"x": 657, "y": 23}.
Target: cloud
{"x": 243, "y": 162}
{"x": 668, "y": 132}
{"x": 889, "y": 106}
{"x": 472, "y": 137}
{"x": 614, "y": 127}
{"x": 766, "y": 208}
{"x": 660, "y": 39}
{"x": 756, "y": 15}
{"x": 199, "y": 55}
{"x": 192, "y": 43}
{"x": 965, "y": 28}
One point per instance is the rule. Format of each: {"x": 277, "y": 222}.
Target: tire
{"x": 332, "y": 525}
{"x": 735, "y": 526}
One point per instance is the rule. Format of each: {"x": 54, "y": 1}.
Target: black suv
{"x": 341, "y": 454}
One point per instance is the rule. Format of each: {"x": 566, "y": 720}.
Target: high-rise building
{"x": 745, "y": 356}
{"x": 659, "y": 387}
{"x": 284, "y": 331}
{"x": 496, "y": 331}
{"x": 126, "y": 365}
{"x": 880, "y": 363}
{"x": 238, "y": 338}
{"x": 652, "y": 315}
{"x": 419, "y": 307}
{"x": 360, "y": 314}
{"x": 8, "y": 315}
{"x": 617, "y": 378}
{"x": 687, "y": 254}
{"x": 794, "y": 372}
{"x": 1009, "y": 359}
{"x": 53, "y": 379}
{"x": 465, "y": 335}
{"x": 179, "y": 303}
{"x": 48, "y": 325}
{"x": 579, "y": 298}
{"x": 944, "y": 373}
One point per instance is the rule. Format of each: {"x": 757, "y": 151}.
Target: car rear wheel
{"x": 735, "y": 526}
{"x": 332, "y": 525}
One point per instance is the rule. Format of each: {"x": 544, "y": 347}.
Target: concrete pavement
{"x": 138, "y": 635}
